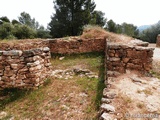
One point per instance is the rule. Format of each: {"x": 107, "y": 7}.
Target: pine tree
{"x": 70, "y": 17}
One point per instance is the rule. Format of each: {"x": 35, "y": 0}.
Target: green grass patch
{"x": 90, "y": 61}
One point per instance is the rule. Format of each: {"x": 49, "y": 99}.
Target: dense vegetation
{"x": 68, "y": 20}
{"x": 124, "y": 28}
{"x": 25, "y": 27}
{"x": 150, "y": 34}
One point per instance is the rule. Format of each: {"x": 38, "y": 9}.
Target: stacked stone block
{"x": 120, "y": 57}
{"x": 24, "y": 69}
{"x": 77, "y": 45}
{"x": 158, "y": 41}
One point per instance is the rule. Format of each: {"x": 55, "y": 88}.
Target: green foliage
{"x": 70, "y": 17}
{"x": 26, "y": 27}
{"x": 26, "y": 19}
{"x": 150, "y": 34}
{"x": 15, "y": 22}
{"x": 124, "y": 28}
{"x": 24, "y": 31}
{"x": 98, "y": 18}
{"x": 42, "y": 33}
{"x": 129, "y": 29}
{"x": 4, "y": 19}
{"x": 111, "y": 26}
{"x": 6, "y": 30}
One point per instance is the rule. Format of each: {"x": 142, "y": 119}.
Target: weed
{"x": 146, "y": 91}
{"x": 140, "y": 105}
{"x": 47, "y": 81}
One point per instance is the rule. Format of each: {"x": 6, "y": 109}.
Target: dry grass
{"x": 147, "y": 91}
{"x": 92, "y": 32}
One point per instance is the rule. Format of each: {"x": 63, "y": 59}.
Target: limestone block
{"x": 47, "y": 64}
{"x": 141, "y": 54}
{"x": 131, "y": 53}
{"x": 21, "y": 58}
{"x": 33, "y": 75}
{"x": 147, "y": 66}
{"x": 136, "y": 61}
{"x": 33, "y": 64}
{"x": 111, "y": 54}
{"x": 36, "y": 58}
{"x": 28, "y": 53}
{"x": 9, "y": 73}
{"x": 46, "y": 49}
{"x": 14, "y": 66}
{"x": 150, "y": 53}
{"x": 158, "y": 41}
{"x": 105, "y": 100}
{"x": 125, "y": 60}
{"x": 1, "y": 72}
{"x": 114, "y": 59}
{"x": 35, "y": 68}
{"x": 25, "y": 69}
{"x": 120, "y": 53}
{"x": 4, "y": 78}
{"x": 12, "y": 53}
{"x": 7, "y": 68}
{"x": 120, "y": 69}
{"x": 130, "y": 65}
{"x": 111, "y": 51}
{"x": 106, "y": 116}
{"x": 107, "y": 107}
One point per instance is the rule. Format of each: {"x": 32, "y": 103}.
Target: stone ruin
{"x": 24, "y": 69}
{"x": 158, "y": 41}
{"x": 28, "y": 66}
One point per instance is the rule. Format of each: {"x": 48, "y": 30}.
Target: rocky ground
{"x": 133, "y": 96}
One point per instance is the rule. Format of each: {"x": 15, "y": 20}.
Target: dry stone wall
{"x": 23, "y": 44}
{"x": 24, "y": 69}
{"x": 158, "y": 40}
{"x": 120, "y": 57}
{"x": 76, "y": 45}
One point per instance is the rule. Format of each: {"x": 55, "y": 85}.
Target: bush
{"x": 24, "y": 31}
{"x": 6, "y": 30}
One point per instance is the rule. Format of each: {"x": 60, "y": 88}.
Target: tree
{"x": 15, "y": 22}
{"x": 6, "y": 30}
{"x": 150, "y": 34}
{"x": 98, "y": 18}
{"x": 4, "y": 19}
{"x": 111, "y": 26}
{"x": 70, "y": 17}
{"x": 130, "y": 30}
{"x": 26, "y": 19}
{"x": 42, "y": 33}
